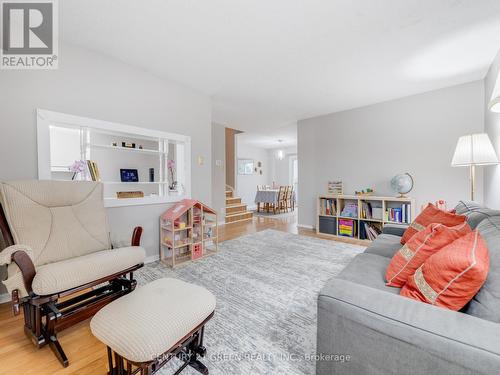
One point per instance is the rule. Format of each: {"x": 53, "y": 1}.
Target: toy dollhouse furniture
{"x": 188, "y": 231}
{"x": 141, "y": 340}
{"x": 57, "y": 244}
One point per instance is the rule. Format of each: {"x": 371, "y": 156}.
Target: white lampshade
{"x": 474, "y": 149}
{"x": 495, "y": 97}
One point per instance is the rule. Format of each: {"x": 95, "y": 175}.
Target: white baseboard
{"x": 151, "y": 259}
{"x": 4, "y": 297}
{"x": 305, "y": 226}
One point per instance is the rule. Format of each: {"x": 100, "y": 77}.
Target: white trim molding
{"x": 4, "y": 298}
{"x": 151, "y": 259}
{"x": 305, "y": 226}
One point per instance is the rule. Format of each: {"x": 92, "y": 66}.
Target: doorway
{"x": 294, "y": 175}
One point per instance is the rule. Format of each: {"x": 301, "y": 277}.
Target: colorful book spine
{"x": 347, "y": 227}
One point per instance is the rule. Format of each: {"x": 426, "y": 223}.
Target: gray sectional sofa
{"x": 365, "y": 327}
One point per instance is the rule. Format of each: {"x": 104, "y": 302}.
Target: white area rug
{"x": 266, "y": 286}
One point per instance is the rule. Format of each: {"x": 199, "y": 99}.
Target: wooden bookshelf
{"x": 375, "y": 211}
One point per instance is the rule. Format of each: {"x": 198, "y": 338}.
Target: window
{"x": 109, "y": 152}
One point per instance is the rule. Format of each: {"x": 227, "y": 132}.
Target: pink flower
{"x": 170, "y": 164}
{"x": 78, "y": 166}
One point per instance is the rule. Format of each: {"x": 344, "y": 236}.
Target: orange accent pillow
{"x": 420, "y": 247}
{"x": 451, "y": 277}
{"x": 431, "y": 214}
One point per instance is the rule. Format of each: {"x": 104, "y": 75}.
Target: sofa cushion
{"x": 464, "y": 207}
{"x": 384, "y": 245}
{"x": 451, "y": 277}
{"x": 67, "y": 274}
{"x": 486, "y": 303}
{"x": 395, "y": 229}
{"x": 387, "y": 334}
{"x": 419, "y": 248}
{"x": 474, "y": 218}
{"x": 369, "y": 270}
{"x": 431, "y": 214}
{"x": 475, "y": 213}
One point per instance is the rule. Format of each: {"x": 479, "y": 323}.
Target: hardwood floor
{"x": 86, "y": 354}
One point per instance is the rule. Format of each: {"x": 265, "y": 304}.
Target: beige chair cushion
{"x": 71, "y": 273}
{"x": 57, "y": 219}
{"x": 147, "y": 322}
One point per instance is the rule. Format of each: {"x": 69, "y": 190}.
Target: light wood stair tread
{"x": 239, "y": 214}
{"x": 240, "y": 220}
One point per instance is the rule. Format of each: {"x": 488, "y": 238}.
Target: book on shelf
{"x": 371, "y": 231}
{"x": 328, "y": 207}
{"x": 350, "y": 210}
{"x": 400, "y": 214}
{"x": 93, "y": 170}
{"x": 347, "y": 227}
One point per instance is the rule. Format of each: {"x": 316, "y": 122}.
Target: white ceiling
{"x": 275, "y": 137}
{"x": 267, "y": 63}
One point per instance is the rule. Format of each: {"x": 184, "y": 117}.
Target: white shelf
{"x": 120, "y": 148}
{"x": 133, "y": 183}
{"x": 117, "y": 202}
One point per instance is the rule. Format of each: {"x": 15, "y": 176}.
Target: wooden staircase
{"x": 235, "y": 210}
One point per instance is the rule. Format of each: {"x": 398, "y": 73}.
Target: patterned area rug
{"x": 266, "y": 285}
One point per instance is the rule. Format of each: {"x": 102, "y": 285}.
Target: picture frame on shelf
{"x": 335, "y": 187}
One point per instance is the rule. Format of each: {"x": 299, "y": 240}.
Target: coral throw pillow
{"x": 432, "y": 214}
{"x": 420, "y": 247}
{"x": 451, "y": 277}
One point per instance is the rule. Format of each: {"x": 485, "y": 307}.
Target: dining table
{"x": 269, "y": 197}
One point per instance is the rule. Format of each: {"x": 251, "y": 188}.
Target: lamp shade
{"x": 495, "y": 97}
{"x": 474, "y": 149}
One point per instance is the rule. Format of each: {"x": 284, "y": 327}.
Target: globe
{"x": 402, "y": 184}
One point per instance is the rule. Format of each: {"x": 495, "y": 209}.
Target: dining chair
{"x": 281, "y": 199}
{"x": 289, "y": 198}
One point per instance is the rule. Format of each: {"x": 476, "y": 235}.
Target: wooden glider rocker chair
{"x": 60, "y": 263}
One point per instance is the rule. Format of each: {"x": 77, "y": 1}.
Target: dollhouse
{"x": 188, "y": 231}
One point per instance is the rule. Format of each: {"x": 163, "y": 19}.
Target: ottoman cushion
{"x": 146, "y": 323}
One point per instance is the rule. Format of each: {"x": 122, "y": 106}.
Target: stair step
{"x": 241, "y": 216}
{"x": 235, "y": 204}
{"x": 236, "y": 208}
{"x": 229, "y": 193}
{"x": 230, "y": 201}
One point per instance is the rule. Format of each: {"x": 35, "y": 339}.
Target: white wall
{"x": 246, "y": 185}
{"x": 366, "y": 147}
{"x": 280, "y": 171}
{"x": 492, "y": 127}
{"x": 219, "y": 171}
{"x": 92, "y": 85}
